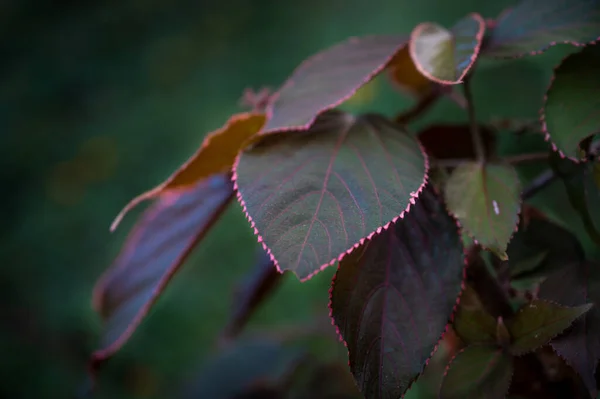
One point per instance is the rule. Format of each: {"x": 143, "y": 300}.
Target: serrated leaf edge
{"x": 290, "y": 81}
{"x": 520, "y": 353}
{"x": 353, "y": 247}
{"x": 542, "y": 111}
{"x": 450, "y": 317}
{"x": 103, "y": 354}
{"x": 568, "y": 363}
{"x": 479, "y": 37}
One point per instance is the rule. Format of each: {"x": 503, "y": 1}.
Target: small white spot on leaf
{"x": 496, "y": 208}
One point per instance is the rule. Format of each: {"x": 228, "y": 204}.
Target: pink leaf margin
{"x": 131, "y": 241}
{"x": 478, "y": 37}
{"x": 290, "y": 82}
{"x": 542, "y": 113}
{"x": 349, "y": 250}
{"x": 450, "y": 318}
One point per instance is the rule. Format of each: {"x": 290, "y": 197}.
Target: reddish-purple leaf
{"x": 446, "y": 56}
{"x": 155, "y": 249}
{"x": 535, "y": 25}
{"x": 454, "y": 141}
{"x": 392, "y": 298}
{"x": 478, "y": 371}
{"x": 579, "y": 346}
{"x": 315, "y": 195}
{"x": 571, "y": 111}
{"x": 328, "y": 78}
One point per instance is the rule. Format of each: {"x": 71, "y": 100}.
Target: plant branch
{"x": 542, "y": 181}
{"x": 513, "y": 159}
{"x": 419, "y": 108}
{"x": 476, "y": 136}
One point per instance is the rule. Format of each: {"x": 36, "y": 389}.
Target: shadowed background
{"x": 100, "y": 101}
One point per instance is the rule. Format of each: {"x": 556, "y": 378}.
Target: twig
{"x": 418, "y": 109}
{"x": 542, "y": 181}
{"x": 477, "y": 142}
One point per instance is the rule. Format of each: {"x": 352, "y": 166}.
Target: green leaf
{"x": 477, "y": 371}
{"x": 240, "y": 368}
{"x": 537, "y": 237}
{"x": 571, "y": 110}
{"x": 391, "y": 299}
{"x": 153, "y": 252}
{"x": 534, "y": 25}
{"x": 580, "y": 346}
{"x": 537, "y": 322}
{"x": 314, "y": 195}
{"x": 446, "y": 56}
{"x": 583, "y": 192}
{"x": 328, "y": 78}
{"x": 486, "y": 202}
{"x": 472, "y": 323}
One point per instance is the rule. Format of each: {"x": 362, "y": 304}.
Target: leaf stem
{"x": 419, "y": 108}
{"x": 475, "y": 135}
{"x": 512, "y": 159}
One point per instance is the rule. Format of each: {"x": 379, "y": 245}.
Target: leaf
{"x": 312, "y": 196}
{"x": 571, "y": 109}
{"x": 534, "y": 25}
{"x": 242, "y": 367}
{"x": 583, "y": 192}
{"x": 528, "y": 265}
{"x": 329, "y": 78}
{"x": 391, "y": 299}
{"x": 537, "y": 322}
{"x": 216, "y": 155}
{"x": 153, "y": 252}
{"x": 580, "y": 345}
{"x": 446, "y": 56}
{"x": 486, "y": 202}
{"x": 405, "y": 75}
{"x": 472, "y": 323}
{"x": 453, "y": 141}
{"x": 477, "y": 371}
{"x": 541, "y": 236}
{"x": 264, "y": 279}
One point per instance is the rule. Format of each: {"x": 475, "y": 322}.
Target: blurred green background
{"x": 101, "y": 101}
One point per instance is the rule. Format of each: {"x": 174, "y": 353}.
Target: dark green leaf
{"x": 472, "y": 323}
{"x": 529, "y": 264}
{"x": 391, "y": 299}
{"x": 486, "y": 202}
{"x": 583, "y": 192}
{"x": 478, "y": 371}
{"x": 328, "y": 78}
{"x": 537, "y": 322}
{"x": 241, "y": 367}
{"x": 540, "y": 236}
{"x": 155, "y": 249}
{"x": 534, "y": 25}
{"x": 572, "y": 107}
{"x": 446, "y": 56}
{"x": 314, "y": 195}
{"x": 580, "y": 346}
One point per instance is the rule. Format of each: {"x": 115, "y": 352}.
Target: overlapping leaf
{"x": 537, "y": 322}
{"x": 392, "y": 298}
{"x": 153, "y": 252}
{"x": 580, "y": 346}
{"x": 403, "y": 72}
{"x": 571, "y": 110}
{"x": 328, "y": 78}
{"x": 478, "y": 371}
{"x": 314, "y": 195}
{"x": 454, "y": 141}
{"x": 446, "y": 56}
{"x": 583, "y": 192}
{"x": 473, "y": 324}
{"x": 216, "y": 155}
{"x": 486, "y": 201}
{"x": 534, "y": 25}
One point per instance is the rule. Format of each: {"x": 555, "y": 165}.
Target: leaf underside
{"x": 571, "y": 110}
{"x": 405, "y": 75}
{"x": 314, "y": 195}
{"x": 534, "y": 25}
{"x": 446, "y": 56}
{"x": 537, "y": 322}
{"x": 486, "y": 201}
{"x": 391, "y": 299}
{"x": 328, "y": 78}
{"x": 580, "y": 346}
{"x": 478, "y": 371}
{"x": 154, "y": 250}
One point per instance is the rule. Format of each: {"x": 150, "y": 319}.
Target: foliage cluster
{"x": 431, "y": 231}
